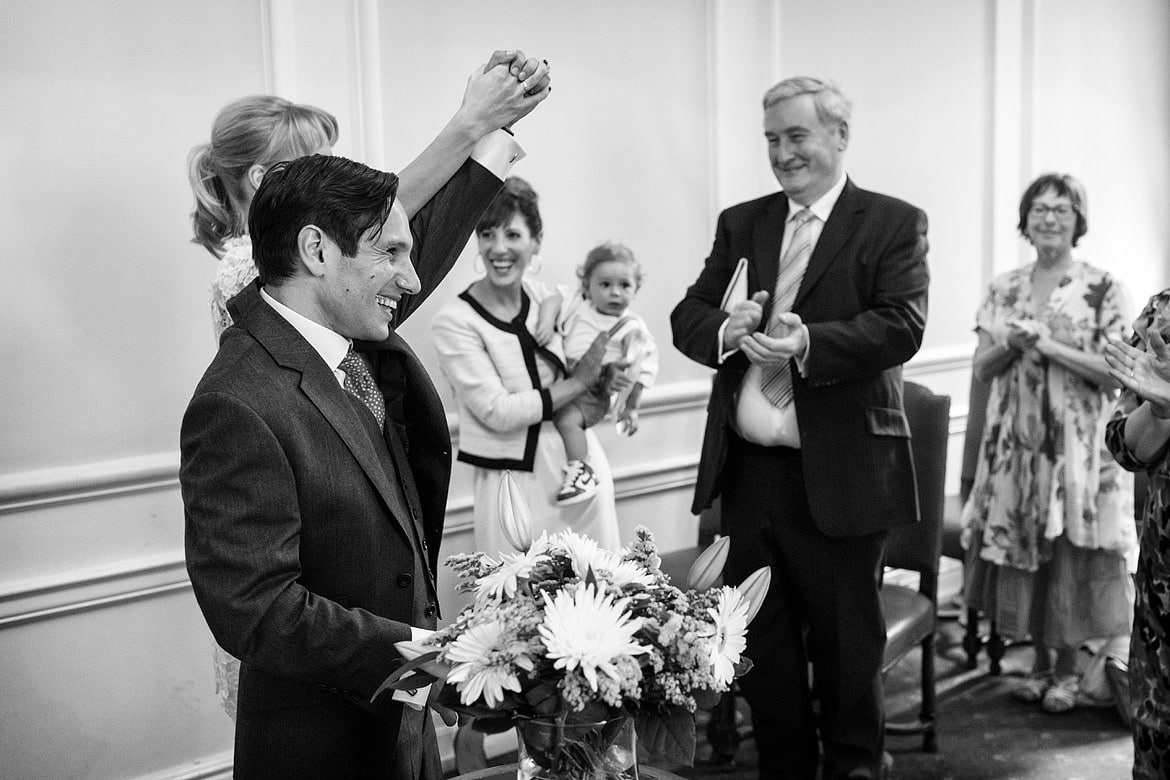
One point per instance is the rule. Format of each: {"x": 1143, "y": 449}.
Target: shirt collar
{"x": 823, "y": 206}
{"x": 331, "y": 346}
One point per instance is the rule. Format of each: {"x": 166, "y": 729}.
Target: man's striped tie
{"x": 776, "y": 380}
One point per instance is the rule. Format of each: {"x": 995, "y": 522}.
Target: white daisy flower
{"x": 730, "y": 639}
{"x": 587, "y": 630}
{"x": 622, "y": 573}
{"x": 502, "y": 582}
{"x": 585, "y": 553}
{"x": 483, "y": 664}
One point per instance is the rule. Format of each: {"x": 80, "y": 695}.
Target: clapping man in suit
{"x": 806, "y": 441}
{"x": 316, "y": 459}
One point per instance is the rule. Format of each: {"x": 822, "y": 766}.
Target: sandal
{"x": 1062, "y": 696}
{"x": 1033, "y": 688}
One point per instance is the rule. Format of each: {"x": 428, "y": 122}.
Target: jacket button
{"x": 404, "y": 580}
{"x": 430, "y": 611}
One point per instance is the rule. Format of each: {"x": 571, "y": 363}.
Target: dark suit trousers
{"x": 823, "y": 607}
{"x": 310, "y": 732}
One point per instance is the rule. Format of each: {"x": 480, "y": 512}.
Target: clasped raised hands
{"x": 505, "y": 90}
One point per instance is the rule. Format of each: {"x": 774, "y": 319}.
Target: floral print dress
{"x": 234, "y": 272}
{"x": 1149, "y": 654}
{"x": 1043, "y": 471}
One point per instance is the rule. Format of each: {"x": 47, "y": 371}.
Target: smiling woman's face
{"x": 506, "y": 251}
{"x": 1052, "y": 222}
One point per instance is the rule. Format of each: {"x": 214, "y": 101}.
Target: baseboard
{"x": 217, "y": 766}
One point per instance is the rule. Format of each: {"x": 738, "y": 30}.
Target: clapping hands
{"x": 1022, "y": 335}
{"x": 1147, "y": 374}
{"x": 744, "y": 318}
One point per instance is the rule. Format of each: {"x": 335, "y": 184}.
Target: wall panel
{"x": 619, "y": 151}
{"x": 1102, "y": 113}
{"x": 103, "y": 306}
{"x": 917, "y": 73}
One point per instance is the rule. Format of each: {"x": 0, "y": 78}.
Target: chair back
{"x": 976, "y": 419}
{"x": 917, "y": 547}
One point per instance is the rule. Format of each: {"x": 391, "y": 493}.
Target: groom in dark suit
{"x": 807, "y": 442}
{"x": 315, "y": 466}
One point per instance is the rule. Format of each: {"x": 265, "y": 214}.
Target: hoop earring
{"x": 535, "y": 264}
{"x": 477, "y": 265}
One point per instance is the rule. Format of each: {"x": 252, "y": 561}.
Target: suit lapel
{"x": 836, "y": 232}
{"x": 394, "y": 383}
{"x": 290, "y": 350}
{"x": 768, "y": 235}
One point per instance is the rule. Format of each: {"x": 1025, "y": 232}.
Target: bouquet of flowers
{"x": 567, "y": 634}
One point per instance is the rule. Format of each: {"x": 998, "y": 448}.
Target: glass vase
{"x": 553, "y": 750}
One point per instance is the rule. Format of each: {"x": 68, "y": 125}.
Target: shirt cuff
{"x": 802, "y": 359}
{"x": 498, "y": 151}
{"x": 719, "y": 345}
{"x": 416, "y": 698}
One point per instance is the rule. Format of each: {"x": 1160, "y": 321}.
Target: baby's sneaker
{"x": 579, "y": 483}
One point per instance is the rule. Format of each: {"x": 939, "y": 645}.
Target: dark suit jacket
{"x": 300, "y": 545}
{"x": 863, "y": 299}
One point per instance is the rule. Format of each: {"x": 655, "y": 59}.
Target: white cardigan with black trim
{"x": 494, "y": 368}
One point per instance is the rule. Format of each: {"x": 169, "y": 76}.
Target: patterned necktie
{"x": 776, "y": 380}
{"x": 360, "y": 384}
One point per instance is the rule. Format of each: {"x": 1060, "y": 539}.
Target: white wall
{"x": 652, "y": 127}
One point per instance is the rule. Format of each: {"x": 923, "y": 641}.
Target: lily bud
{"x": 754, "y": 589}
{"x": 411, "y": 649}
{"x": 708, "y": 567}
{"x": 515, "y": 518}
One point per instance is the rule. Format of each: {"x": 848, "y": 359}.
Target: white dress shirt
{"x": 756, "y": 419}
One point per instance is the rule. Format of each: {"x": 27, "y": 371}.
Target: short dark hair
{"x": 342, "y": 197}
{"x": 517, "y": 197}
{"x": 1064, "y": 186}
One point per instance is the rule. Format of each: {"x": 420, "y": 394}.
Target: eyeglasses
{"x": 1061, "y": 210}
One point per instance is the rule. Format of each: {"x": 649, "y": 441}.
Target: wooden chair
{"x": 911, "y": 613}
{"x": 973, "y": 642}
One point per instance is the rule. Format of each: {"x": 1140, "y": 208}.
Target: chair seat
{"x": 909, "y": 619}
{"x": 676, "y": 564}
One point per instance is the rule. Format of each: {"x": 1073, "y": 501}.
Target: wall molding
{"x": 367, "y": 80}
{"x": 1012, "y": 58}
{"x": 134, "y": 579}
{"x": 21, "y": 491}
{"x": 75, "y": 592}
{"x": 25, "y": 490}
{"x": 217, "y": 766}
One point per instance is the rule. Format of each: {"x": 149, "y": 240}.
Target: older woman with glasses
{"x": 1049, "y": 525}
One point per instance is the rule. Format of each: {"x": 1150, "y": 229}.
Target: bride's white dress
{"x": 234, "y": 272}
